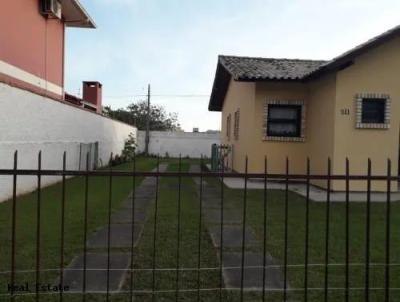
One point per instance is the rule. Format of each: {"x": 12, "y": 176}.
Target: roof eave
{"x": 244, "y": 79}
{"x": 221, "y": 82}
{"x": 334, "y": 67}
{"x": 347, "y": 59}
{"x": 75, "y": 15}
{"x": 220, "y": 87}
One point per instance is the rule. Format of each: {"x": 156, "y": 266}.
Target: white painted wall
{"x": 174, "y": 143}
{"x": 30, "y": 123}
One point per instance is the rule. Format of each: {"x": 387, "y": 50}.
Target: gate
{"x": 221, "y": 157}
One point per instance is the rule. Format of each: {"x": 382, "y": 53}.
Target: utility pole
{"x": 148, "y": 122}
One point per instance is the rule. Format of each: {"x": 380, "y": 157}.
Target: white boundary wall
{"x": 30, "y": 123}
{"x": 192, "y": 144}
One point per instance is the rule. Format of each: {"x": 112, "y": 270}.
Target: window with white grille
{"x": 236, "y": 125}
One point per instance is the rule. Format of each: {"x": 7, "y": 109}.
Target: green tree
{"x": 136, "y": 114}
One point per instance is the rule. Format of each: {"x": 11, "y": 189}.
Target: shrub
{"x": 128, "y": 153}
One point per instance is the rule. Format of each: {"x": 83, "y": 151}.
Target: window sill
{"x": 372, "y": 126}
{"x": 284, "y": 139}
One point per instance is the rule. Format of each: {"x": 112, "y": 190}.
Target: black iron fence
{"x": 266, "y": 244}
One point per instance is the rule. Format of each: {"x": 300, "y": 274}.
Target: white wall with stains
{"x": 173, "y": 144}
{"x": 31, "y": 123}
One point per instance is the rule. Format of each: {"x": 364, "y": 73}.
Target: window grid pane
{"x": 282, "y": 129}
{"x": 283, "y": 113}
{"x": 373, "y": 111}
{"x": 284, "y": 120}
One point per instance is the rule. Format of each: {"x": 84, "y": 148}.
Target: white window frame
{"x": 300, "y": 138}
{"x": 365, "y": 96}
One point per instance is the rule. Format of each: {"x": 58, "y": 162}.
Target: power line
{"x": 160, "y": 95}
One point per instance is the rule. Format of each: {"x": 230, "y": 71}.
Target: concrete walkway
{"x": 232, "y": 243}
{"x": 121, "y": 228}
{"x": 316, "y": 194}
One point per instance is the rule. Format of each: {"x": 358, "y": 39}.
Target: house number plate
{"x": 345, "y": 111}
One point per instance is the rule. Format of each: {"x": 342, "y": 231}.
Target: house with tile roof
{"x": 347, "y": 107}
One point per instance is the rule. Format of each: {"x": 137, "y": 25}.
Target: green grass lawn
{"x": 166, "y": 244}
{"x": 167, "y": 235}
{"x": 296, "y": 243}
{"x": 166, "y": 275}
{"x": 51, "y": 223}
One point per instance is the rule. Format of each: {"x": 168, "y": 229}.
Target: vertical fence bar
{"x": 14, "y": 221}
{"x": 38, "y": 225}
{"x": 265, "y": 227}
{"x": 387, "y": 260}
{"x": 367, "y": 232}
{"x": 62, "y": 226}
{"x": 221, "y": 237}
{"x": 155, "y": 232}
{"x": 347, "y": 235}
{"x": 133, "y": 229}
{"x": 178, "y": 231}
{"x": 200, "y": 229}
{"x": 244, "y": 230}
{"x": 306, "y": 253}
{"x": 110, "y": 183}
{"x": 327, "y": 231}
{"x": 285, "y": 257}
{"x": 85, "y": 227}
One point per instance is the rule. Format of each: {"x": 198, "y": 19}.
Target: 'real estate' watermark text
{"x": 37, "y": 287}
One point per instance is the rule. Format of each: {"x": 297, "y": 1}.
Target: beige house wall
{"x": 240, "y": 96}
{"x": 318, "y": 144}
{"x": 329, "y": 131}
{"x": 276, "y": 151}
{"x": 377, "y": 71}
{"x": 320, "y": 125}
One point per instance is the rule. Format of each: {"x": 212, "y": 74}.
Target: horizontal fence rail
{"x": 306, "y": 248}
{"x": 270, "y": 176}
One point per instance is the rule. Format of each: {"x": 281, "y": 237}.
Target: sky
{"x": 174, "y": 44}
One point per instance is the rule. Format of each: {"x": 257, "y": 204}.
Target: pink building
{"x": 36, "y": 114}
{"x": 32, "y": 44}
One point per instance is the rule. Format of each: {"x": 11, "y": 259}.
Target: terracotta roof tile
{"x": 253, "y": 69}
{"x": 266, "y": 69}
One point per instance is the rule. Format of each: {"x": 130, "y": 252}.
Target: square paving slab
{"x": 148, "y": 193}
{"x": 211, "y": 192}
{"x": 148, "y": 181}
{"x": 230, "y": 216}
{"x": 120, "y": 236}
{"x": 140, "y": 203}
{"x": 175, "y": 188}
{"x": 197, "y": 180}
{"x": 215, "y": 203}
{"x": 194, "y": 168}
{"x": 232, "y": 236}
{"x": 96, "y": 279}
{"x": 144, "y": 195}
{"x": 253, "y": 277}
{"x": 125, "y": 216}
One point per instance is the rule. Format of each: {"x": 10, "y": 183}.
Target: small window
{"x": 228, "y": 127}
{"x": 284, "y": 120}
{"x": 236, "y": 125}
{"x": 373, "y": 111}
